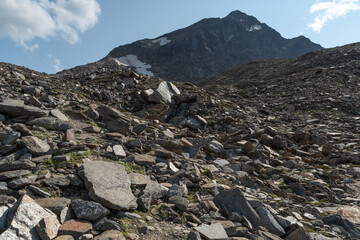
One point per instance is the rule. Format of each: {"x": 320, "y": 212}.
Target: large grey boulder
{"x": 164, "y": 93}
{"x": 17, "y": 108}
{"x": 234, "y": 201}
{"x": 109, "y": 184}
{"x": 51, "y": 123}
{"x": 23, "y": 218}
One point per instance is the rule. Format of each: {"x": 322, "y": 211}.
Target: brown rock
{"x": 110, "y": 234}
{"x": 36, "y": 145}
{"x": 75, "y": 228}
{"x": 56, "y": 205}
{"x": 48, "y": 228}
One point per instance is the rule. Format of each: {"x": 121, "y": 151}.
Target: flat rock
{"x": 56, "y": 205}
{"x": 109, "y": 184}
{"x": 8, "y": 164}
{"x": 23, "y": 218}
{"x": 58, "y": 114}
{"x": 105, "y": 224}
{"x": 51, "y": 123}
{"x": 17, "y": 108}
{"x": 88, "y": 210}
{"x": 269, "y": 222}
{"x": 139, "y": 180}
{"x": 4, "y": 210}
{"x": 234, "y": 201}
{"x": 22, "y": 182}
{"x": 75, "y": 228}
{"x": 144, "y": 159}
{"x": 214, "y": 231}
{"x": 13, "y": 174}
{"x": 48, "y": 228}
{"x": 110, "y": 234}
{"x": 36, "y": 145}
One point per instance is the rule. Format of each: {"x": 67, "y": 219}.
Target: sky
{"x": 52, "y": 35}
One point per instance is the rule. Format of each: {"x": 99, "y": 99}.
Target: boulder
{"x": 164, "y": 93}
{"x": 109, "y": 184}
{"x": 23, "y": 218}
{"x": 51, "y": 123}
{"x": 17, "y": 108}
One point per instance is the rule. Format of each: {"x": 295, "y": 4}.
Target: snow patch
{"x": 162, "y": 41}
{"x": 255, "y": 28}
{"x": 133, "y": 61}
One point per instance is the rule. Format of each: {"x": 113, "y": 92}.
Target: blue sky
{"x": 50, "y": 35}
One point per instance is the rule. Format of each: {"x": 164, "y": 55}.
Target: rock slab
{"x": 109, "y": 184}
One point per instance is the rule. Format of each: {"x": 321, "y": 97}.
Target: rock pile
{"x": 116, "y": 155}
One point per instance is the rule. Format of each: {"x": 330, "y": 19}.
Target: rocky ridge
{"x": 117, "y": 155}
{"x": 204, "y": 49}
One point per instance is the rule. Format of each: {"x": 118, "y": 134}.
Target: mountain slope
{"x": 209, "y": 47}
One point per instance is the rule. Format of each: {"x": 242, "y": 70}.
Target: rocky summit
{"x": 272, "y": 154}
{"x": 204, "y": 49}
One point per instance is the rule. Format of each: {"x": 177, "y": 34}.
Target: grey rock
{"x": 23, "y": 218}
{"x": 119, "y": 126}
{"x": 110, "y": 234}
{"x": 22, "y": 182}
{"x": 194, "y": 236}
{"x": 234, "y": 201}
{"x": 269, "y": 222}
{"x": 346, "y": 224}
{"x": 105, "y": 224}
{"x": 88, "y": 210}
{"x": 8, "y": 138}
{"x": 3, "y": 217}
{"x": 66, "y": 214}
{"x": 10, "y": 163}
{"x": 92, "y": 113}
{"x": 192, "y": 123}
{"x": 48, "y": 228}
{"x": 214, "y": 231}
{"x": 215, "y": 146}
{"x": 119, "y": 151}
{"x": 152, "y": 192}
{"x": 13, "y": 174}
{"x": 35, "y": 145}
{"x": 297, "y": 234}
{"x": 16, "y": 108}
{"x": 58, "y": 114}
{"x": 178, "y": 190}
{"x": 109, "y": 184}
{"x": 180, "y": 202}
{"x": 51, "y": 123}
{"x": 139, "y": 180}
{"x": 144, "y": 159}
{"x": 56, "y": 205}
{"x": 39, "y": 192}
{"x": 164, "y": 93}
{"x": 4, "y": 188}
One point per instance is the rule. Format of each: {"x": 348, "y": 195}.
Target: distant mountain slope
{"x": 211, "y": 46}
{"x": 207, "y": 48}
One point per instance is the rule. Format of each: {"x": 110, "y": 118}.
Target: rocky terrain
{"x": 205, "y": 49}
{"x": 266, "y": 151}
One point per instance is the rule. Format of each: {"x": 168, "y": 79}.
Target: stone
{"x": 75, "y": 228}
{"x": 64, "y": 237}
{"x": 66, "y": 214}
{"x": 58, "y": 114}
{"x": 4, "y": 188}
{"x": 139, "y": 180}
{"x": 105, "y": 224}
{"x": 193, "y": 235}
{"x": 56, "y": 205}
{"x": 214, "y": 231}
{"x": 22, "y": 182}
{"x": 88, "y": 210}
{"x": 9, "y": 138}
{"x": 180, "y": 202}
{"x": 269, "y": 222}
{"x": 119, "y": 126}
{"x": 9, "y": 164}
{"x": 39, "y": 191}
{"x": 119, "y": 151}
{"x": 110, "y": 234}
{"x": 48, "y": 227}
{"x": 164, "y": 93}
{"x": 297, "y": 234}
{"x": 216, "y": 147}
{"x": 346, "y": 224}
{"x": 70, "y": 135}
{"x": 51, "y": 123}
{"x": 109, "y": 184}
{"x": 23, "y": 218}
{"x": 16, "y": 108}
{"x": 4, "y": 210}
{"x": 234, "y": 201}
{"x": 35, "y": 145}
{"x": 13, "y": 174}
{"x": 192, "y": 123}
{"x": 92, "y": 113}
{"x": 152, "y": 192}
{"x": 144, "y": 159}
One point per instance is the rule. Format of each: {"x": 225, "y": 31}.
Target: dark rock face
{"x": 209, "y": 47}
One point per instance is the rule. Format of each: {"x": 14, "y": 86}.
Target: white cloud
{"x": 329, "y": 10}
{"x": 25, "y": 20}
{"x": 56, "y": 63}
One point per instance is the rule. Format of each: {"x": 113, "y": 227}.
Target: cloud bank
{"x": 25, "y": 20}
{"x": 330, "y": 10}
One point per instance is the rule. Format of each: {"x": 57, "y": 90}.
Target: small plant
{"x": 49, "y": 163}
{"x": 77, "y": 157}
{"x": 41, "y": 135}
